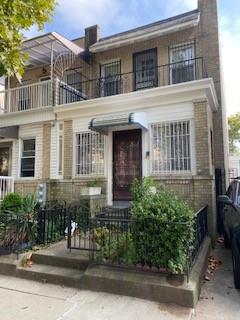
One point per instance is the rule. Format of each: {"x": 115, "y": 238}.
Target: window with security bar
{"x": 171, "y": 150}
{"x": 182, "y": 63}
{"x": 110, "y": 81}
{"x": 89, "y": 154}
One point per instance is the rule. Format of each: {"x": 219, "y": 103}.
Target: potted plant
{"x": 93, "y": 188}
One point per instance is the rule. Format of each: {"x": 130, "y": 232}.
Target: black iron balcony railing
{"x": 169, "y": 74}
{"x": 55, "y": 92}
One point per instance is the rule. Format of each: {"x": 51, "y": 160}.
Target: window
{"x": 182, "y": 63}
{"x": 145, "y": 68}
{"x": 89, "y": 154}
{"x": 74, "y": 79}
{"x": 110, "y": 83}
{"x": 171, "y": 147}
{"x": 60, "y": 149}
{"x": 28, "y": 158}
{"x": 71, "y": 89}
{"x": 238, "y": 196}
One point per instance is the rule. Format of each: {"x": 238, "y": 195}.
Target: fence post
{"x": 41, "y": 224}
{"x": 69, "y": 228}
{"x": 17, "y": 236}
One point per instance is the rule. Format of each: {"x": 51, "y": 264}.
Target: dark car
{"x": 231, "y": 222}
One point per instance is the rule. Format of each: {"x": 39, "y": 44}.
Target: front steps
{"x": 68, "y": 277}
{"x": 58, "y": 265}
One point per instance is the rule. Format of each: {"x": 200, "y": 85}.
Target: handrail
{"x": 6, "y": 186}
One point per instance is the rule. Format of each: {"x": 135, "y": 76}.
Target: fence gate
{"x": 80, "y": 228}
{"x": 83, "y": 225}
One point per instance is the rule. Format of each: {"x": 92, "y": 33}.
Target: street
{"x": 23, "y": 299}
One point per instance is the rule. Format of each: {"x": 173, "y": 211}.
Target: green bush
{"x": 94, "y": 183}
{"x": 18, "y": 214}
{"x": 162, "y": 227}
{"x": 116, "y": 246}
{"x": 12, "y": 202}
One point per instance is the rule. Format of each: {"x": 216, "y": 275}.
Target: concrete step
{"x": 80, "y": 262}
{"x": 56, "y": 275}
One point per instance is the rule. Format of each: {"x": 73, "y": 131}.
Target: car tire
{"x": 236, "y": 263}
{"x": 227, "y": 243}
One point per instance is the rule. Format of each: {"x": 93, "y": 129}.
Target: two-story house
{"x": 145, "y": 102}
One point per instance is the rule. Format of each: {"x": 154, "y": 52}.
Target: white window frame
{"x": 192, "y": 170}
{"x": 21, "y": 156}
{"x": 89, "y": 175}
{"x": 60, "y": 133}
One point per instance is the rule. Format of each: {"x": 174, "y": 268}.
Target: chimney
{"x": 92, "y": 35}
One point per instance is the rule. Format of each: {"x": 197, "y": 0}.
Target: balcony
{"x": 56, "y": 92}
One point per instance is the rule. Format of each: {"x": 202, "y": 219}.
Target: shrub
{"x": 162, "y": 227}
{"x": 12, "y": 202}
{"x": 116, "y": 246}
{"x": 94, "y": 183}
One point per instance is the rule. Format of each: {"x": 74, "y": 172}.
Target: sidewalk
{"x": 23, "y": 299}
{"x": 219, "y": 299}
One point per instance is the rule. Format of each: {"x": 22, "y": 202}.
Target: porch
{"x": 6, "y": 186}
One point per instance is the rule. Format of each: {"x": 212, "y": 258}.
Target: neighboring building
{"x": 145, "y": 102}
{"x": 234, "y": 166}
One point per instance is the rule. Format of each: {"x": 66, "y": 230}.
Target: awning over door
{"x": 9, "y": 132}
{"x": 135, "y": 119}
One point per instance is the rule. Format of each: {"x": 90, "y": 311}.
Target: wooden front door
{"x": 127, "y": 162}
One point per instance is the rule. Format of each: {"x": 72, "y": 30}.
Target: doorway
{"x": 127, "y": 162}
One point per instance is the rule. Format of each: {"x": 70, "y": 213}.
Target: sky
{"x": 113, "y": 16}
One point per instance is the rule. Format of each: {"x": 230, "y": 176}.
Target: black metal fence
{"x": 19, "y": 231}
{"x": 201, "y": 230}
{"x": 114, "y": 238}
{"x": 52, "y": 223}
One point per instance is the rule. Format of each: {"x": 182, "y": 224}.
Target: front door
{"x": 4, "y": 161}
{"x": 127, "y": 162}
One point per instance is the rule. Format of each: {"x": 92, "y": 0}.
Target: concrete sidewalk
{"x": 219, "y": 299}
{"x": 23, "y": 299}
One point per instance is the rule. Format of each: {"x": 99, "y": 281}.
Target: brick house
{"x": 145, "y": 102}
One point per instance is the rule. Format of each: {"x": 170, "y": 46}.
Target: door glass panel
{"x": 145, "y": 69}
{"x": 4, "y": 161}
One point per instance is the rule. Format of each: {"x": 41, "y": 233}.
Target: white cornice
{"x": 127, "y": 102}
{"x": 184, "y": 92}
{"x": 145, "y": 34}
{"x": 27, "y": 117}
